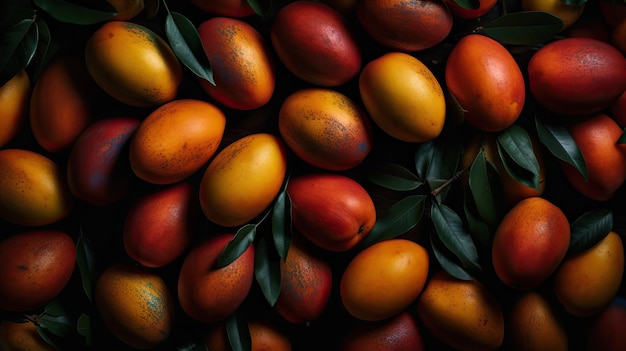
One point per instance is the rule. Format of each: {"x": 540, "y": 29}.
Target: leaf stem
{"x": 456, "y": 176}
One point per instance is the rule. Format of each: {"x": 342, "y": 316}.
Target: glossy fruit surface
{"x": 605, "y": 331}
{"x": 22, "y": 336}
{"x": 462, "y": 314}
{"x": 315, "y": 43}
{"x": 264, "y": 336}
{"x": 208, "y": 293}
{"x": 176, "y": 140}
{"x": 61, "y": 103}
{"x": 133, "y": 64}
{"x": 586, "y": 283}
{"x": 127, "y": 9}
{"x": 243, "y": 179}
{"x": 98, "y": 170}
{"x": 384, "y": 279}
{"x": 566, "y": 12}
{"x": 14, "y": 98}
{"x": 306, "y": 282}
{"x": 577, "y": 76}
{"x": 530, "y": 242}
{"x": 397, "y": 333}
{"x": 325, "y": 128}
{"x": 35, "y": 266}
{"x": 243, "y": 66}
{"x": 405, "y": 25}
{"x": 33, "y": 189}
{"x": 492, "y": 92}
{"x": 159, "y": 225}
{"x": 332, "y": 211}
{"x": 533, "y": 323}
{"x": 605, "y": 160}
{"x": 403, "y": 97}
{"x": 135, "y": 305}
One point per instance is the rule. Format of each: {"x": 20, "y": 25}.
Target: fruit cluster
{"x": 336, "y": 174}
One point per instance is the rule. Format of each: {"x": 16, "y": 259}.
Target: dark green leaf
{"x": 186, "y": 44}
{"x": 468, "y": 4}
{"x": 55, "y": 308}
{"x": 46, "y": 50}
{"x": 479, "y": 228}
{"x": 19, "y": 57}
{"x": 622, "y": 138}
{"x": 449, "y": 228}
{"x": 524, "y": 27}
{"x": 560, "y": 143}
{"x": 61, "y": 326}
{"x": 267, "y": 270}
{"x": 257, "y": 6}
{"x": 574, "y": 2}
{"x": 238, "y": 333}
{"x": 83, "y": 327}
{"x": 280, "y": 217}
{"x": 13, "y": 32}
{"x": 394, "y": 177}
{"x": 486, "y": 189}
{"x": 517, "y": 154}
{"x": 589, "y": 229}
{"x": 438, "y": 158}
{"x": 65, "y": 11}
{"x": 193, "y": 346}
{"x": 49, "y": 337}
{"x": 448, "y": 264}
{"x": 237, "y": 245}
{"x": 86, "y": 264}
{"x": 403, "y": 216}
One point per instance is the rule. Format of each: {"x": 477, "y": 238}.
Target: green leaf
{"x": 83, "y": 327}
{"x": 61, "y": 326}
{"x": 151, "y": 8}
{"x": 86, "y": 264}
{"x": 267, "y": 270}
{"x": 560, "y": 143}
{"x": 447, "y": 263}
{"x": 49, "y": 337}
{"x": 394, "y": 177}
{"x": 20, "y": 43}
{"x": 485, "y": 187}
{"x": 187, "y": 45}
{"x": 517, "y": 154}
{"x": 55, "y": 308}
{"x": 401, "y": 217}
{"x": 46, "y": 50}
{"x": 479, "y": 228}
{"x": 281, "y": 214}
{"x": 574, "y": 2}
{"x": 438, "y": 158}
{"x": 193, "y": 346}
{"x": 524, "y": 28}
{"x": 589, "y": 229}
{"x": 449, "y": 228}
{"x": 468, "y": 4}
{"x": 237, "y": 245}
{"x": 238, "y": 333}
{"x": 65, "y": 11}
{"x": 257, "y": 6}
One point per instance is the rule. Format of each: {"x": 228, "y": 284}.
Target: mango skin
{"x": 35, "y": 266}
{"x": 577, "y": 76}
{"x": 33, "y": 189}
{"x": 98, "y": 170}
